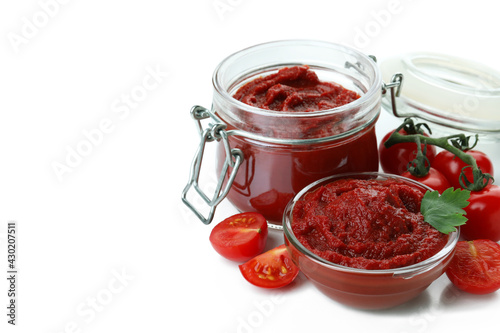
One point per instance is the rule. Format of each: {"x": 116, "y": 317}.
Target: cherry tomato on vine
{"x": 483, "y": 215}
{"x": 396, "y": 158}
{"x": 240, "y": 237}
{"x": 272, "y": 269}
{"x": 451, "y": 166}
{"x": 475, "y": 267}
{"x": 434, "y": 179}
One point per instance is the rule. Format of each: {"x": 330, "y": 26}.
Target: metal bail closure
{"x": 395, "y": 86}
{"x": 234, "y": 158}
{"x": 396, "y": 83}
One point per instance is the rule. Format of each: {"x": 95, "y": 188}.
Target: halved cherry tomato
{"x": 240, "y": 237}
{"x": 451, "y": 166}
{"x": 483, "y": 215}
{"x": 272, "y": 269}
{"x": 475, "y": 268}
{"x": 396, "y": 158}
{"x": 434, "y": 179}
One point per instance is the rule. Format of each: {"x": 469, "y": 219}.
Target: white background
{"x": 117, "y": 211}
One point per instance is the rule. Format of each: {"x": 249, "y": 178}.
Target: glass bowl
{"x": 363, "y": 288}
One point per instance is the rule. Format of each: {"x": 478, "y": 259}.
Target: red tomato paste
{"x": 271, "y": 174}
{"x": 294, "y": 89}
{"x": 368, "y": 224}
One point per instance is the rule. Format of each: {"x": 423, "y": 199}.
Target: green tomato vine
{"x": 455, "y": 144}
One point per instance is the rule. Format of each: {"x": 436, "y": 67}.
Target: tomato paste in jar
{"x": 294, "y": 89}
{"x": 298, "y": 111}
{"x": 273, "y": 173}
{"x": 367, "y": 224}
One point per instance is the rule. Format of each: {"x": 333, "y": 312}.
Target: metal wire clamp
{"x": 216, "y": 131}
{"x": 395, "y": 86}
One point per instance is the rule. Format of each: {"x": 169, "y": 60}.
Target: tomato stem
{"x": 418, "y": 166}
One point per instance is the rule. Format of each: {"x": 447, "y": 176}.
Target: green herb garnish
{"x": 445, "y": 212}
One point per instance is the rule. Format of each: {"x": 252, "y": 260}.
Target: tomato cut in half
{"x": 272, "y": 269}
{"x": 475, "y": 268}
{"x": 240, "y": 237}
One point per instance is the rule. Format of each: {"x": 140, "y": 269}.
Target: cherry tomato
{"x": 451, "y": 166}
{"x": 240, "y": 237}
{"x": 475, "y": 268}
{"x": 483, "y": 215}
{"x": 396, "y": 158}
{"x": 272, "y": 269}
{"x": 434, "y": 179}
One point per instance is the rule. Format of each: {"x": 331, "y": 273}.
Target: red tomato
{"x": 434, "y": 179}
{"x": 272, "y": 269}
{"x": 475, "y": 268}
{"x": 483, "y": 215}
{"x": 240, "y": 237}
{"x": 451, "y": 166}
{"x": 396, "y": 158}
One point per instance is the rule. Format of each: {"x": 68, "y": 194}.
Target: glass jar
{"x": 265, "y": 157}
{"x": 455, "y": 95}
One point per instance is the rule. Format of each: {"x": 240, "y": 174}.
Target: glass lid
{"x": 454, "y": 93}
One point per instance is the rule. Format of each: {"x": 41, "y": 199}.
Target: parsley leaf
{"x": 444, "y": 212}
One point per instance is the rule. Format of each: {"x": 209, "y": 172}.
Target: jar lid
{"x": 454, "y": 93}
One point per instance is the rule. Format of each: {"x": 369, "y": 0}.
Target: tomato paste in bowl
{"x": 360, "y": 238}
{"x": 298, "y": 111}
